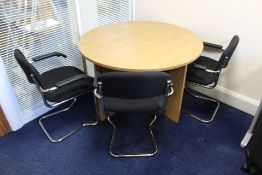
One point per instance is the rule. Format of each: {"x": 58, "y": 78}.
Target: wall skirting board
{"x": 231, "y": 98}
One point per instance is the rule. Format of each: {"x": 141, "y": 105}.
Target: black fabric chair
{"x": 57, "y": 86}
{"x": 133, "y": 92}
{"x": 205, "y": 72}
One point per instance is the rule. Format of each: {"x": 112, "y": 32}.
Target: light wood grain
{"x": 140, "y": 46}
{"x": 175, "y": 101}
{"x": 4, "y": 126}
{"x": 144, "y": 46}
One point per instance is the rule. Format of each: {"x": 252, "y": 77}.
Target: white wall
{"x": 217, "y": 22}
{"x": 8, "y": 100}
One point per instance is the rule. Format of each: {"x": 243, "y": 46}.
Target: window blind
{"x": 95, "y": 13}
{"x": 43, "y": 26}
{"x": 36, "y": 27}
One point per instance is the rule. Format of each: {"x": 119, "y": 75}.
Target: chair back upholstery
{"x": 28, "y": 68}
{"x": 228, "y": 52}
{"x": 134, "y": 85}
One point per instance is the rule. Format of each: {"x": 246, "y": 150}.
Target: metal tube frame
{"x": 98, "y": 93}
{"x": 209, "y": 86}
{"x": 138, "y": 154}
{"x": 73, "y": 99}
{"x": 168, "y": 92}
{"x": 203, "y": 98}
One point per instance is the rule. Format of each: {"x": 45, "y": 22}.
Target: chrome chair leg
{"x": 134, "y": 155}
{"x": 204, "y": 98}
{"x": 68, "y": 134}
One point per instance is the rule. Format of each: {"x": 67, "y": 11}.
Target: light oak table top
{"x": 144, "y": 46}
{"x": 140, "y": 46}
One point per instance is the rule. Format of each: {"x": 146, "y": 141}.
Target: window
{"x": 43, "y": 26}
{"x": 94, "y": 13}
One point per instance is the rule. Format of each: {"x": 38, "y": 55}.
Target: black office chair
{"x": 205, "y": 72}
{"x": 57, "y": 86}
{"x": 132, "y": 92}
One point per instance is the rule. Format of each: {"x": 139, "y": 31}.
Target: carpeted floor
{"x": 187, "y": 147}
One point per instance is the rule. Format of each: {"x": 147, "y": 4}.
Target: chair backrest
{"x": 133, "y": 85}
{"x": 28, "y": 68}
{"x": 228, "y": 52}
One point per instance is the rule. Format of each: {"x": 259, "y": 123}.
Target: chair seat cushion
{"x": 76, "y": 88}
{"x": 152, "y": 104}
{"x": 208, "y": 62}
{"x": 199, "y": 76}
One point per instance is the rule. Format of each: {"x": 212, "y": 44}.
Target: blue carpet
{"x": 188, "y": 147}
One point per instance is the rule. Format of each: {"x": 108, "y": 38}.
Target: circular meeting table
{"x": 144, "y": 46}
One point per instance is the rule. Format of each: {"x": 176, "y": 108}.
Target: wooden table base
{"x": 136, "y": 46}
{"x": 175, "y": 101}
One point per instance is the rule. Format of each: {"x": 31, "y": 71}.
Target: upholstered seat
{"x": 200, "y": 76}
{"x": 51, "y": 77}
{"x": 205, "y": 72}
{"x": 152, "y": 104}
{"x": 58, "y": 86}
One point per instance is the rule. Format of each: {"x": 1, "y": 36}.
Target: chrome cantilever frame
{"x": 209, "y": 86}
{"x": 133, "y": 155}
{"x": 51, "y": 139}
{"x": 98, "y": 94}
{"x": 203, "y": 98}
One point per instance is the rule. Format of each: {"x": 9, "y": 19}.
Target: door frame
{"x": 4, "y": 126}
{"x": 8, "y": 100}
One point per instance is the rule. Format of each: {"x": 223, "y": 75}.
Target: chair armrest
{"x": 97, "y": 95}
{"x": 215, "y": 46}
{"x": 204, "y": 68}
{"x": 64, "y": 82}
{"x": 171, "y": 92}
{"x": 199, "y": 66}
{"x": 49, "y": 55}
{"x": 70, "y": 80}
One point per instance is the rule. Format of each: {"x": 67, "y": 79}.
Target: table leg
{"x": 175, "y": 101}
